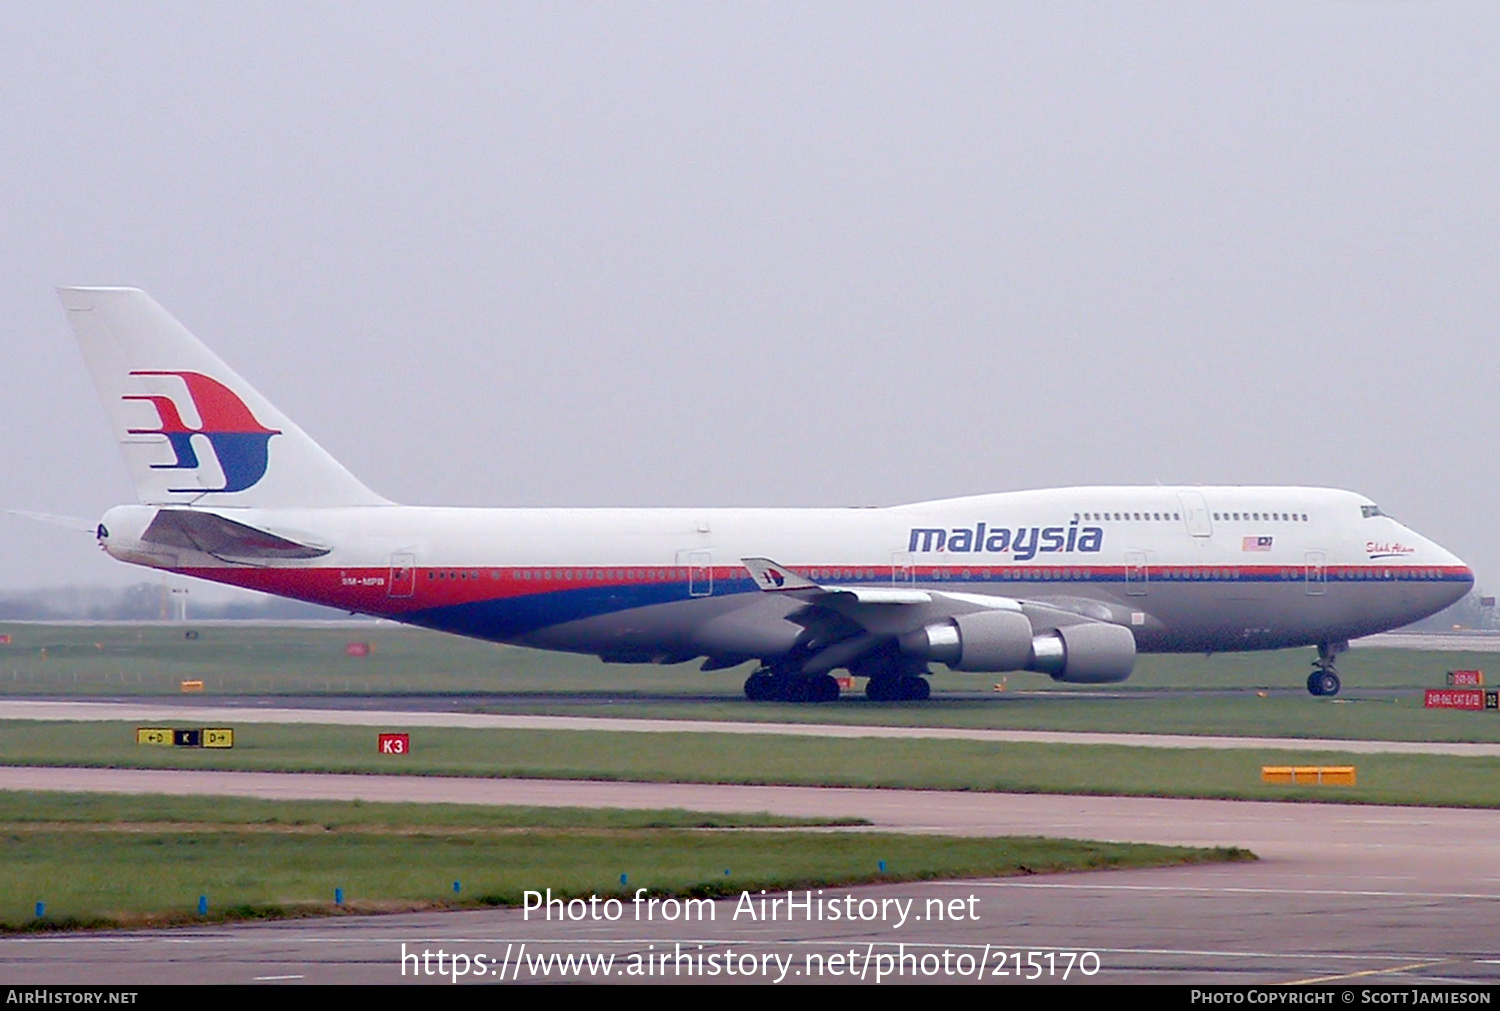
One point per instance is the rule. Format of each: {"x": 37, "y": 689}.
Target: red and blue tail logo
{"x": 239, "y": 441}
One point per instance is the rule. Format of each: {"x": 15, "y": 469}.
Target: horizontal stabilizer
{"x": 222, "y": 538}
{"x": 71, "y": 522}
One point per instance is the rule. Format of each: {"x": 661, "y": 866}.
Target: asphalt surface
{"x": 151, "y": 711}
{"x": 1349, "y": 895}
{"x": 1342, "y": 896}
{"x": 1468, "y": 641}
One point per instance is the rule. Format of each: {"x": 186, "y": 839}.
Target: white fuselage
{"x": 1188, "y": 569}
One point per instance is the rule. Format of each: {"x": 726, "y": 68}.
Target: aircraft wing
{"x": 844, "y": 625}
{"x": 1045, "y": 612}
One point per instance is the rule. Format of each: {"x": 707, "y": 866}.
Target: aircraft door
{"x": 1315, "y": 572}
{"x": 403, "y": 577}
{"x": 1137, "y": 573}
{"x": 903, "y": 573}
{"x": 700, "y": 566}
{"x": 1195, "y": 513}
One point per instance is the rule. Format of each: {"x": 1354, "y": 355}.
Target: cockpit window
{"x": 1370, "y": 510}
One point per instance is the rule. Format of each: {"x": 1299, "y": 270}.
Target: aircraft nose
{"x": 1449, "y": 560}
{"x": 1458, "y": 578}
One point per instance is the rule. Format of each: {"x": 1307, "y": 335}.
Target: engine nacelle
{"x": 985, "y": 641}
{"x": 1093, "y": 652}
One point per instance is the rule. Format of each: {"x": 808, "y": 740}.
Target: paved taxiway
{"x": 1347, "y": 893}
{"x": 1468, "y": 641}
{"x": 402, "y": 719}
{"x": 1352, "y": 894}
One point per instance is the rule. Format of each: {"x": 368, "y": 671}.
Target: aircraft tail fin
{"x": 191, "y": 430}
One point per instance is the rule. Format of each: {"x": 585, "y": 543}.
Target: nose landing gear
{"x": 1324, "y": 680}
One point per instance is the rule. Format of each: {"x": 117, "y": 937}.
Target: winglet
{"x": 773, "y": 577}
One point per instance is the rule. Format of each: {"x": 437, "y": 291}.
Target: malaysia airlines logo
{"x": 1022, "y": 543}
{"x": 240, "y": 442}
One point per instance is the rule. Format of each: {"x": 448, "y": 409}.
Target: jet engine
{"x": 1090, "y": 652}
{"x": 982, "y": 641}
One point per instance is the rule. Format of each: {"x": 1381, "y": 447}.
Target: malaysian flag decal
{"x": 1256, "y": 544}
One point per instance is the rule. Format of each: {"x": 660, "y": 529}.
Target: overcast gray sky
{"x": 771, "y": 254}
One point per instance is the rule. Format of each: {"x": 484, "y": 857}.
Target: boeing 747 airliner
{"x": 1070, "y": 583}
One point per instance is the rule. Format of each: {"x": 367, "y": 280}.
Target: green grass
{"x": 250, "y": 659}
{"x": 1188, "y": 694}
{"x": 746, "y": 758}
{"x": 285, "y": 858}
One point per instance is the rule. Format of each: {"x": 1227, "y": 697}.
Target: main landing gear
{"x": 893, "y": 678}
{"x": 902, "y": 689}
{"x": 1324, "y": 680}
{"x": 889, "y": 682}
{"x": 772, "y": 685}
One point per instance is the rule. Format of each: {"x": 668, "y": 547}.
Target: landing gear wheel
{"x": 1324, "y": 680}
{"x": 782, "y": 687}
{"x": 760, "y": 688}
{"x": 823, "y": 688}
{"x": 893, "y": 677}
{"x": 905, "y": 689}
{"x": 795, "y": 690}
{"x": 915, "y": 689}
